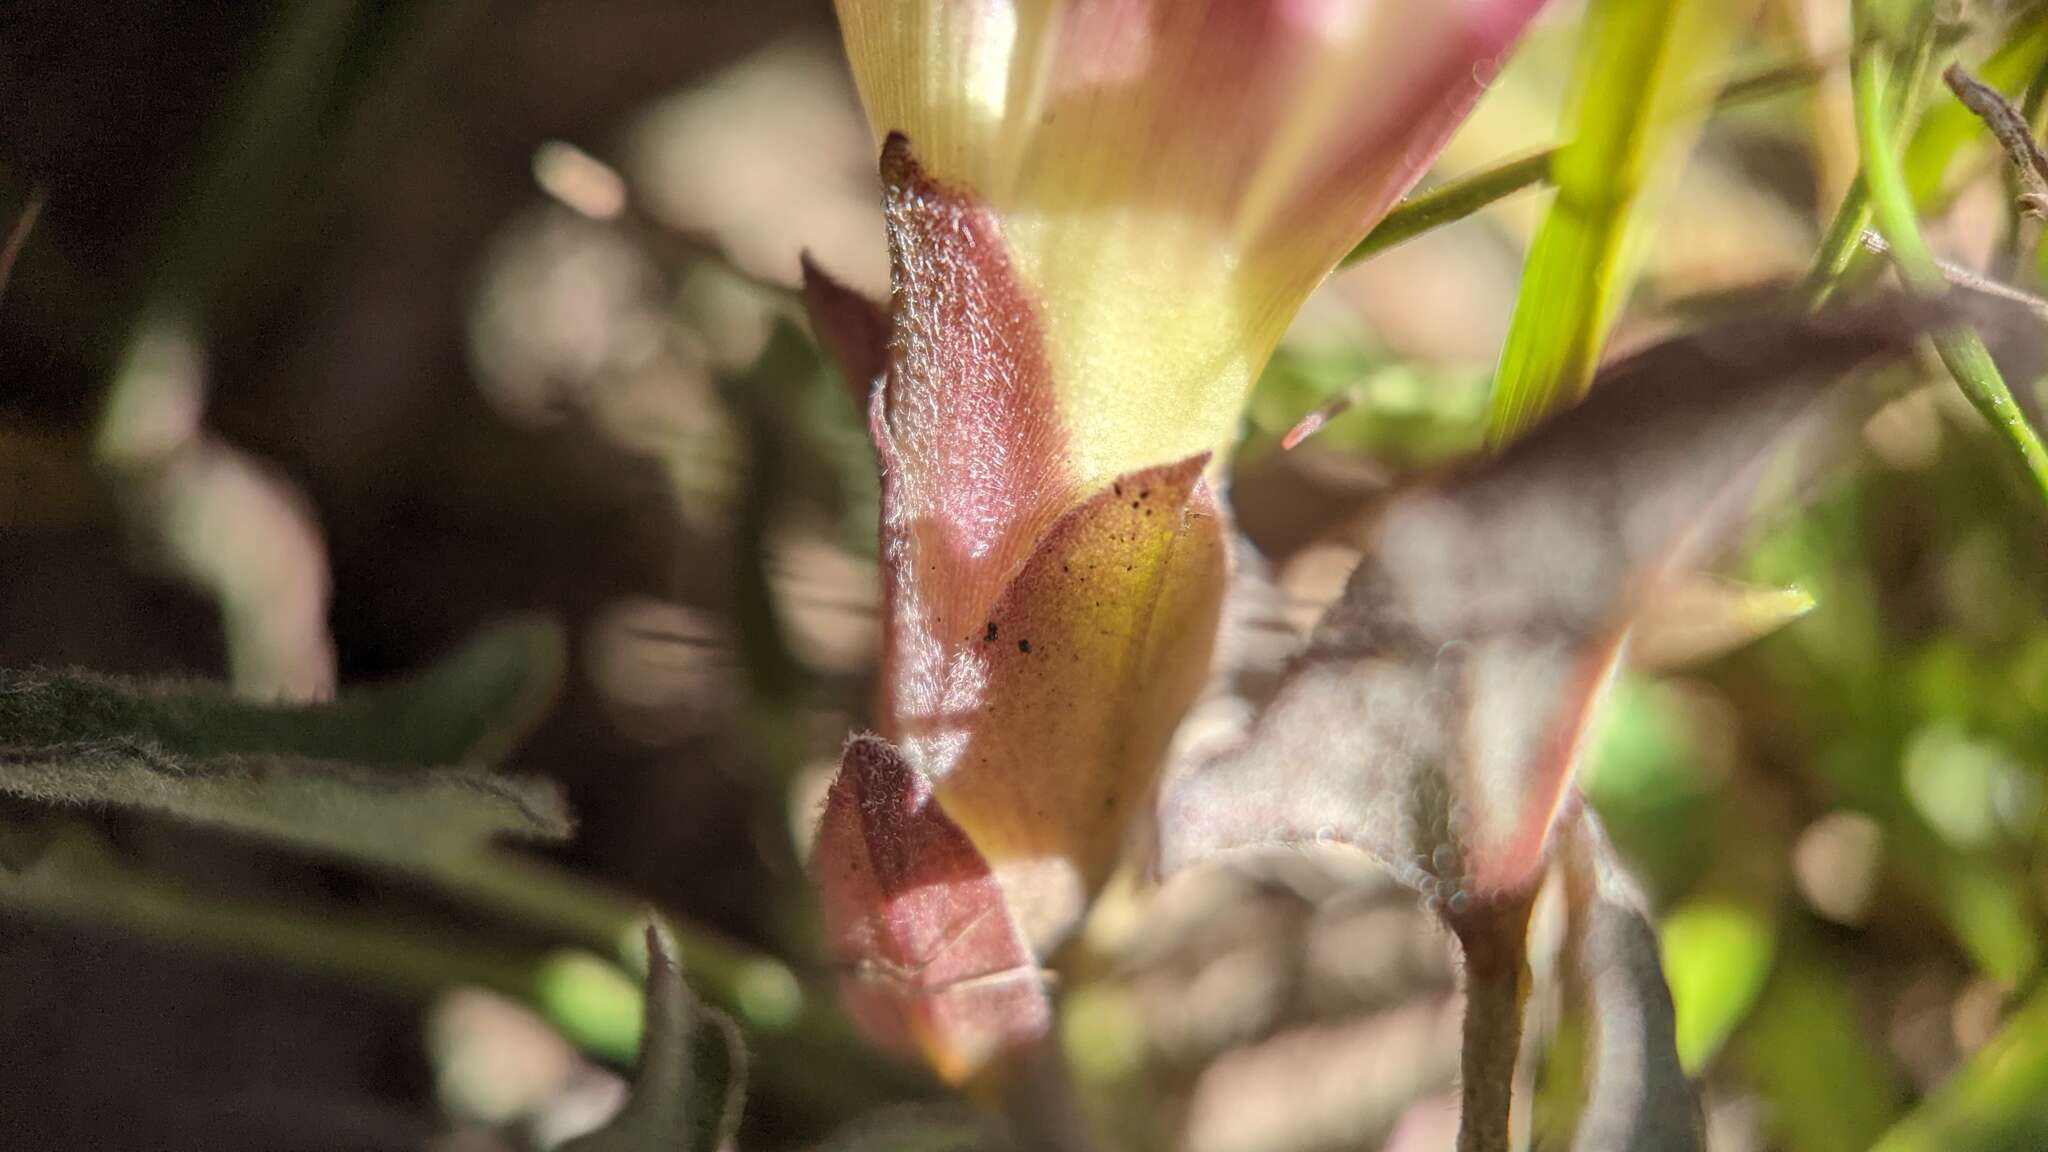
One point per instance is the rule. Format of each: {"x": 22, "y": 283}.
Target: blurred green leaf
{"x": 1396, "y": 414}
{"x": 1717, "y": 955}
{"x": 1859, "y": 704}
{"x": 1819, "y": 1071}
{"x": 1997, "y": 1102}
{"x": 1633, "y": 104}
{"x": 1644, "y": 775}
{"x": 690, "y": 1083}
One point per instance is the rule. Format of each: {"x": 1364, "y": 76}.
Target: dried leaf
{"x": 934, "y": 961}
{"x": 691, "y": 1080}
{"x": 1434, "y": 719}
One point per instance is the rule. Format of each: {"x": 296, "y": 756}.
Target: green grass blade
{"x": 1632, "y": 103}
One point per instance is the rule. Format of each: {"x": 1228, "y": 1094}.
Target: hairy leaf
{"x": 1696, "y": 617}
{"x": 468, "y": 708}
{"x": 691, "y": 1079}
{"x": 375, "y": 776}
{"x": 934, "y": 960}
{"x": 1435, "y": 716}
{"x": 403, "y": 820}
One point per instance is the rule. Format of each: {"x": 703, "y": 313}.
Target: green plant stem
{"x": 588, "y": 990}
{"x": 760, "y": 991}
{"x": 1961, "y": 349}
{"x": 1453, "y": 201}
{"x": 80, "y": 881}
{"x": 1842, "y": 249}
{"x": 788, "y": 1026}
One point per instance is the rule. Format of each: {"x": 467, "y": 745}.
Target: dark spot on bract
{"x": 990, "y": 636}
{"x": 1024, "y": 646}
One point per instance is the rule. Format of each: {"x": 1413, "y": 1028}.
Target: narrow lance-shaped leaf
{"x": 1435, "y": 715}
{"x": 468, "y": 708}
{"x": 1635, "y": 105}
{"x": 690, "y": 1082}
{"x": 376, "y": 776}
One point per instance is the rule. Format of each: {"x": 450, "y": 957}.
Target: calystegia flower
{"x": 1102, "y": 215}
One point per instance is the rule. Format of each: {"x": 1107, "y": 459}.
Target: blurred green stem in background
{"x": 1892, "y": 207}
{"x": 586, "y": 986}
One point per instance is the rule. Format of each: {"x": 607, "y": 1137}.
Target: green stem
{"x": 1842, "y": 250}
{"x": 79, "y": 880}
{"x": 1449, "y": 203}
{"x": 759, "y": 990}
{"x": 587, "y": 991}
{"x": 1961, "y": 349}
